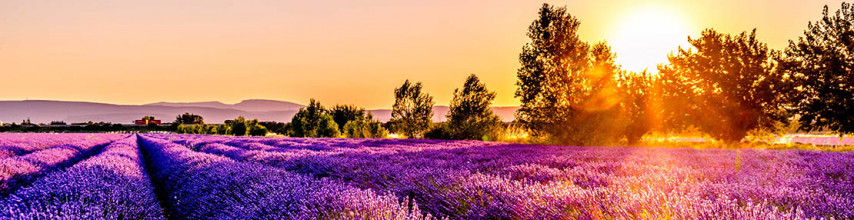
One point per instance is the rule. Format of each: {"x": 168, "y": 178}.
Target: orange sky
{"x": 338, "y": 51}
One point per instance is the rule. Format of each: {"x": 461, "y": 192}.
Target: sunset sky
{"x": 338, "y": 51}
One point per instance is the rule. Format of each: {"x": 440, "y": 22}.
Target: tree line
{"x": 469, "y": 117}
{"x": 725, "y": 85}
{"x": 572, "y": 92}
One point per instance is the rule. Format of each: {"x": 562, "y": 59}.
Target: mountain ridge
{"x": 214, "y": 112}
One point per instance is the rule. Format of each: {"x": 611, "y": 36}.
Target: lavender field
{"x": 163, "y": 176}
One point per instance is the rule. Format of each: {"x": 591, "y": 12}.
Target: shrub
{"x": 365, "y": 128}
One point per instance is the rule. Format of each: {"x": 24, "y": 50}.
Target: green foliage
{"x": 275, "y": 127}
{"x": 257, "y": 130}
{"x": 470, "y": 116}
{"x": 196, "y": 129}
{"x": 183, "y": 129}
{"x": 725, "y": 86}
{"x": 820, "y": 69}
{"x": 242, "y": 126}
{"x": 147, "y": 118}
{"x": 223, "y": 129}
{"x": 412, "y": 112}
{"x": 188, "y": 118}
{"x": 238, "y": 126}
{"x": 345, "y": 113}
{"x": 313, "y": 121}
{"x": 637, "y": 91}
{"x": 365, "y": 128}
{"x": 327, "y": 127}
{"x": 567, "y": 87}
{"x": 439, "y": 131}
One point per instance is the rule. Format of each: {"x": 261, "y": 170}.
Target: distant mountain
{"x": 261, "y": 105}
{"x": 45, "y": 111}
{"x": 192, "y": 104}
{"x": 251, "y": 105}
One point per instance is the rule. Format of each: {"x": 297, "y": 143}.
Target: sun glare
{"x": 643, "y": 38}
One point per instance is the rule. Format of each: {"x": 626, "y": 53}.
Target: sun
{"x": 643, "y": 38}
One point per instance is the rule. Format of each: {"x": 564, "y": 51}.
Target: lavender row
{"x": 204, "y": 186}
{"x": 110, "y": 185}
{"x": 17, "y": 144}
{"x": 285, "y": 147}
{"x": 512, "y": 181}
{"x": 22, "y": 170}
{"x": 426, "y": 179}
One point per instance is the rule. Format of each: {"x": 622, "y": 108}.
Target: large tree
{"x": 725, "y": 85}
{"x": 470, "y": 115}
{"x": 821, "y": 68}
{"x": 566, "y": 86}
{"x": 412, "y": 112}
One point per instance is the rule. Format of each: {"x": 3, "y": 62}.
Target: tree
{"x": 821, "y": 71}
{"x": 313, "y": 121}
{"x": 345, "y": 113}
{"x": 412, "y": 112}
{"x": 470, "y": 116}
{"x": 566, "y": 87}
{"x": 147, "y": 118}
{"x": 726, "y": 87}
{"x": 238, "y": 126}
{"x": 188, "y": 118}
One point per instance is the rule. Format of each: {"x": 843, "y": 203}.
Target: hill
{"x": 45, "y": 111}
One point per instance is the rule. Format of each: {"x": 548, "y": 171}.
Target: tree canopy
{"x": 412, "y": 112}
{"x": 821, "y": 67}
{"x": 725, "y": 85}
{"x": 470, "y": 115}
{"x": 567, "y": 87}
{"x": 188, "y": 118}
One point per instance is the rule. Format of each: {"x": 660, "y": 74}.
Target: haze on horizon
{"x": 136, "y": 52}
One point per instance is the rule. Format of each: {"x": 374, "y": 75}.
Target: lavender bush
{"x": 554, "y": 182}
{"x": 16, "y": 144}
{"x": 110, "y": 185}
{"x": 205, "y": 186}
{"x": 21, "y": 170}
{"x": 156, "y": 176}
